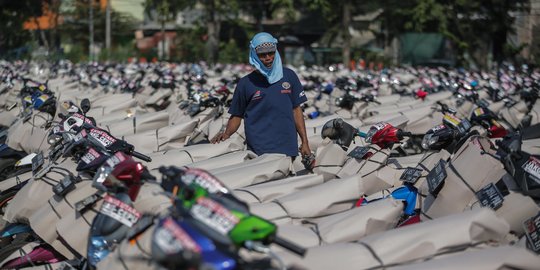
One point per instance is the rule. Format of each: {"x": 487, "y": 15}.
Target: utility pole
{"x": 108, "y": 28}
{"x": 91, "y": 29}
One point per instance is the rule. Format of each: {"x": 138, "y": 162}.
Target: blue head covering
{"x": 273, "y": 74}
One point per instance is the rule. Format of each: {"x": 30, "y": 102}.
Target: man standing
{"x": 268, "y": 100}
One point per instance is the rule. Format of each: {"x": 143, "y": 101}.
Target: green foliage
{"x": 166, "y": 10}
{"x": 189, "y": 45}
{"x": 470, "y": 25}
{"x": 120, "y": 53}
{"x": 231, "y": 53}
{"x": 76, "y": 53}
{"x": 427, "y": 16}
{"x": 75, "y": 30}
{"x": 12, "y": 16}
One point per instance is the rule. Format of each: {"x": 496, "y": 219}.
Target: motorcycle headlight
{"x": 370, "y": 134}
{"x": 429, "y": 140}
{"x": 53, "y": 139}
{"x": 102, "y": 174}
{"x": 98, "y": 249}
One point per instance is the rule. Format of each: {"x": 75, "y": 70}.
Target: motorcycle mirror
{"x": 85, "y": 105}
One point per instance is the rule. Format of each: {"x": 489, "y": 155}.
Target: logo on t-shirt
{"x": 286, "y": 85}
{"x": 257, "y": 95}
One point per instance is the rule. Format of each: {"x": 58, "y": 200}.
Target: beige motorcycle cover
{"x": 165, "y": 138}
{"x": 193, "y": 153}
{"x": 503, "y": 257}
{"x": 328, "y": 198}
{"x": 264, "y": 168}
{"x": 347, "y": 226}
{"x": 460, "y": 185}
{"x": 274, "y": 189}
{"x": 227, "y": 159}
{"x": 136, "y": 124}
{"x": 104, "y": 105}
{"x": 413, "y": 242}
{"x": 35, "y": 194}
{"x": 30, "y": 136}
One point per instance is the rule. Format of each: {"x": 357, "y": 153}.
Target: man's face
{"x": 267, "y": 58}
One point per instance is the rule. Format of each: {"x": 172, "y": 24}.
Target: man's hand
{"x": 220, "y": 137}
{"x": 304, "y": 149}
{"x": 232, "y": 127}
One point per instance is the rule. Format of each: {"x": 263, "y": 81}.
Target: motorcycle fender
{"x": 27, "y": 160}
{"x": 6, "y": 152}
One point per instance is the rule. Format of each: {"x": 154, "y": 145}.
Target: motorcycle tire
{"x": 4, "y": 202}
{"x": 7, "y": 167}
{"x": 25, "y": 237}
{"x": 6, "y": 251}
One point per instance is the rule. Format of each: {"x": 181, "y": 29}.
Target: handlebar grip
{"x": 406, "y": 134}
{"x": 289, "y": 246}
{"x": 141, "y": 156}
{"x": 362, "y": 134}
{"x": 502, "y": 146}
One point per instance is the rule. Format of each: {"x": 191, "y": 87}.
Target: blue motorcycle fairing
{"x": 408, "y": 194}
{"x": 210, "y": 254}
{"x": 14, "y": 229}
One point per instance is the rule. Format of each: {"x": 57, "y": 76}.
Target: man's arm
{"x": 232, "y": 126}
{"x": 301, "y": 129}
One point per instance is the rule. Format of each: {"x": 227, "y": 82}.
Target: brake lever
{"x": 309, "y": 161}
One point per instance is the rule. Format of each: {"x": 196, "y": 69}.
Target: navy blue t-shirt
{"x": 267, "y": 111}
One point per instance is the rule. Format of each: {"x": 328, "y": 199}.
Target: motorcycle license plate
{"x": 12, "y": 106}
{"x": 479, "y": 112}
{"x": 532, "y": 167}
{"x": 171, "y": 238}
{"x": 37, "y": 162}
{"x": 464, "y": 126}
{"x": 102, "y": 137}
{"x": 119, "y": 211}
{"x": 451, "y": 120}
{"x": 203, "y": 179}
{"x": 490, "y": 196}
{"x": 358, "y": 152}
{"x": 411, "y": 175}
{"x": 532, "y": 230}
{"x": 86, "y": 203}
{"x": 64, "y": 186}
{"x": 436, "y": 177}
{"x": 26, "y": 116}
{"x": 214, "y": 215}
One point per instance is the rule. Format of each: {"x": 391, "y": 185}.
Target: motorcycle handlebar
{"x": 141, "y": 156}
{"x": 289, "y": 246}
{"x": 502, "y": 146}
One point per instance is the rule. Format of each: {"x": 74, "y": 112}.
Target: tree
{"x": 216, "y": 12}
{"x": 12, "y": 16}
{"x": 337, "y": 14}
{"x": 74, "y": 30}
{"x": 166, "y": 10}
{"x": 473, "y": 26}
